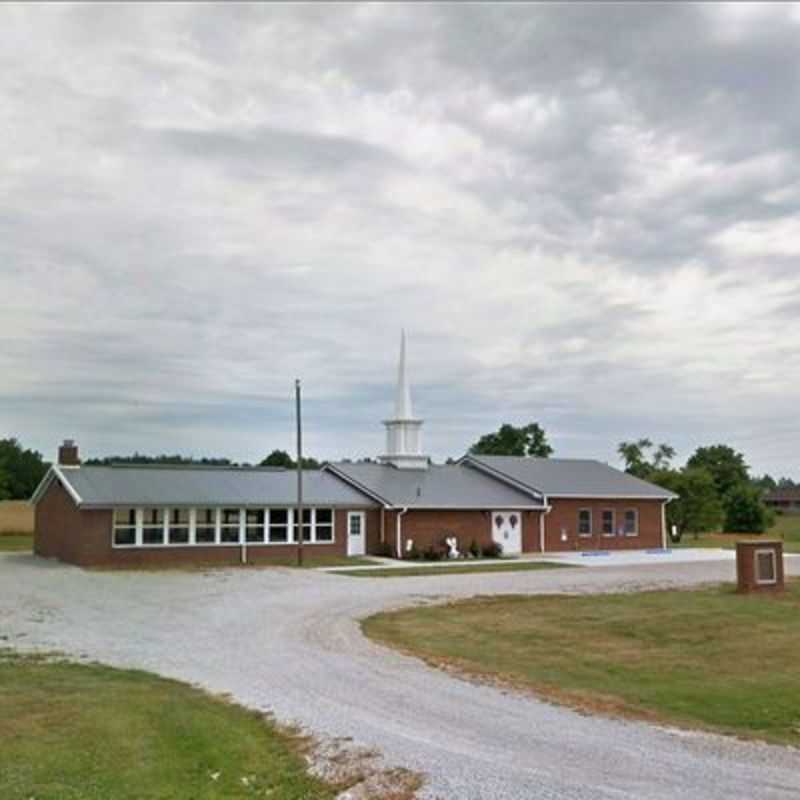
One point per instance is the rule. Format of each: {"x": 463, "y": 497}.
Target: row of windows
{"x": 608, "y": 522}
{"x": 136, "y": 527}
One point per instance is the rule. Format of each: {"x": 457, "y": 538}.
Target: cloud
{"x": 584, "y": 215}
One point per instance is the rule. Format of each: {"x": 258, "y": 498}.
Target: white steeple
{"x": 403, "y": 440}
{"x": 402, "y": 403}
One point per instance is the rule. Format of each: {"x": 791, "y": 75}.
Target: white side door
{"x": 507, "y": 531}
{"x": 356, "y": 533}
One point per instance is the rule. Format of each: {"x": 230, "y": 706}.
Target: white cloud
{"x": 583, "y": 218}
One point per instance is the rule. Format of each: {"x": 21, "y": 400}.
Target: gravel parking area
{"x": 288, "y": 642}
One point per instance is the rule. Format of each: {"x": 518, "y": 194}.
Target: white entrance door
{"x": 356, "y": 533}
{"x": 507, "y": 531}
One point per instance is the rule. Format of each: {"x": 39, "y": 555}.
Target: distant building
{"x": 129, "y": 515}
{"x": 785, "y": 500}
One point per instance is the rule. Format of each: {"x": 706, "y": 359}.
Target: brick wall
{"x": 564, "y": 518}
{"x": 83, "y": 537}
{"x": 62, "y": 530}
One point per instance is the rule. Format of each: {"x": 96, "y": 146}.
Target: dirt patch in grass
{"x": 704, "y": 658}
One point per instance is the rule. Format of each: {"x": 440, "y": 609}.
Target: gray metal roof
{"x": 438, "y": 486}
{"x": 206, "y": 486}
{"x": 569, "y": 477}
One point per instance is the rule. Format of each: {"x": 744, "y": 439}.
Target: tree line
{"x": 715, "y": 488}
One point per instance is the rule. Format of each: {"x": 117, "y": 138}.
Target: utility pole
{"x": 299, "y": 512}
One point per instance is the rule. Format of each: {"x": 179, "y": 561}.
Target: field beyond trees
{"x": 705, "y": 658}
{"x": 16, "y": 516}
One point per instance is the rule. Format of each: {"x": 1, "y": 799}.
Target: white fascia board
{"x": 67, "y": 485}
{"x": 493, "y": 507}
{"x": 52, "y": 474}
{"x": 588, "y": 496}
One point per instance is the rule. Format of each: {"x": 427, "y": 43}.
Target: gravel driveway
{"x": 288, "y": 642}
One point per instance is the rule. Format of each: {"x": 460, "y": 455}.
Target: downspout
{"x": 547, "y": 509}
{"x": 400, "y": 530}
{"x": 383, "y": 534}
{"x": 664, "y": 523}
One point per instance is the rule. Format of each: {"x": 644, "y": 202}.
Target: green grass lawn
{"x": 787, "y": 527}
{"x": 705, "y": 658}
{"x": 493, "y": 566}
{"x": 77, "y": 732}
{"x": 14, "y": 543}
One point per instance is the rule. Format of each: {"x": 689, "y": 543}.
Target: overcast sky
{"x": 587, "y": 216}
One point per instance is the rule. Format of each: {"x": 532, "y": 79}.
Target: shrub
{"x": 385, "y": 550}
{"x": 744, "y": 511}
{"x": 492, "y": 550}
{"x": 413, "y": 554}
{"x": 432, "y": 553}
{"x": 474, "y": 549}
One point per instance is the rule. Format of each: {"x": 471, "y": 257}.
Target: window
{"x": 585, "y": 522}
{"x": 229, "y": 527}
{"x": 306, "y": 525}
{"x": 279, "y": 525}
{"x": 631, "y": 522}
{"x": 206, "y": 526}
{"x": 354, "y": 523}
{"x": 323, "y": 527}
{"x": 608, "y": 522}
{"x": 254, "y": 530}
{"x": 766, "y": 571}
{"x": 153, "y": 526}
{"x": 178, "y": 531}
{"x": 124, "y": 527}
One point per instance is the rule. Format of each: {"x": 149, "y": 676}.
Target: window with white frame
{"x": 229, "y": 526}
{"x": 608, "y": 522}
{"x": 278, "y": 525}
{"x": 254, "y": 528}
{"x": 306, "y": 525}
{"x": 153, "y": 526}
{"x": 205, "y": 526}
{"x": 178, "y": 530}
{"x": 631, "y": 522}
{"x": 765, "y": 567}
{"x": 584, "y": 522}
{"x": 124, "y": 527}
{"x": 323, "y": 525}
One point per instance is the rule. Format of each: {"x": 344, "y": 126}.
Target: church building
{"x": 134, "y": 515}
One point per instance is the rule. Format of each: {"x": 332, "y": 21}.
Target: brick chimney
{"x": 68, "y": 454}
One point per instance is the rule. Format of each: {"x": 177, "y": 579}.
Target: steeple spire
{"x": 402, "y": 405}
{"x": 403, "y": 441}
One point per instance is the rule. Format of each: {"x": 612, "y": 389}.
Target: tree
{"x": 744, "y": 511}
{"x": 5, "y": 491}
{"x": 726, "y": 466}
{"x": 509, "y": 440}
{"x": 140, "y": 458}
{"x": 23, "y": 469}
{"x": 697, "y": 507}
{"x": 766, "y": 483}
{"x": 635, "y": 456}
{"x": 280, "y": 458}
